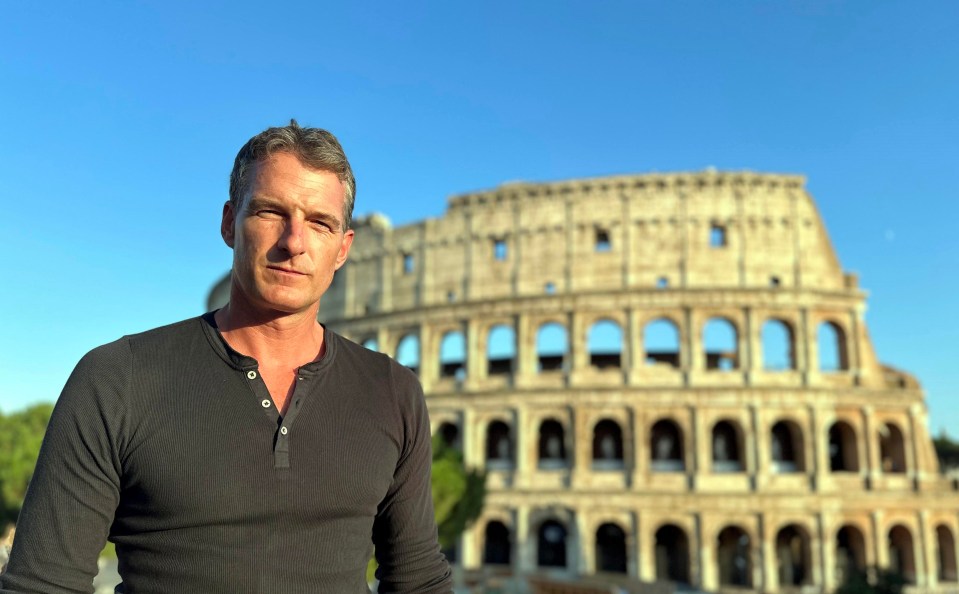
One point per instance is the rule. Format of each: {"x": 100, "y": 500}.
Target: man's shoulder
{"x": 163, "y": 337}
{"x": 374, "y": 364}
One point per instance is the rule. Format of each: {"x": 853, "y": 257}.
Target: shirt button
{"x": 266, "y": 404}
{"x": 251, "y": 374}
{"x": 284, "y": 430}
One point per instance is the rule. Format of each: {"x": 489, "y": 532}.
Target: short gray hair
{"x": 314, "y": 147}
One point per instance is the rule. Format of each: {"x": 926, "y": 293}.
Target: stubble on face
{"x": 287, "y": 236}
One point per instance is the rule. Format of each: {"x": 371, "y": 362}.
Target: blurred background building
{"x": 667, "y": 377}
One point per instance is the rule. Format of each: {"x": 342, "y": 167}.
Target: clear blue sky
{"x": 120, "y": 122}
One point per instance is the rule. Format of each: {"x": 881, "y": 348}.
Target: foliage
{"x": 21, "y": 434}
{"x": 458, "y": 493}
{"x": 887, "y": 582}
{"x": 947, "y": 451}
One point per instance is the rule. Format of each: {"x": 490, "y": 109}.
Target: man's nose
{"x": 292, "y": 238}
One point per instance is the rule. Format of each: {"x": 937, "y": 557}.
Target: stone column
{"x": 929, "y": 576}
{"x": 819, "y": 439}
{"x": 522, "y": 451}
{"x": 803, "y": 342}
{"x": 586, "y": 547}
{"x": 760, "y": 472}
{"x": 769, "y": 558}
{"x": 750, "y": 344}
{"x": 525, "y": 348}
{"x": 476, "y": 360}
{"x": 429, "y": 357}
{"x": 873, "y": 464}
{"x": 525, "y": 560}
{"x": 646, "y": 549}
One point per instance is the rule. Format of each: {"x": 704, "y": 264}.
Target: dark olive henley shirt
{"x": 168, "y": 443}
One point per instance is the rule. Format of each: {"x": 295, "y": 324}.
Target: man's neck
{"x": 272, "y": 338}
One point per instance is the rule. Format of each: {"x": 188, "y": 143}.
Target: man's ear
{"x": 228, "y": 223}
{"x": 344, "y": 249}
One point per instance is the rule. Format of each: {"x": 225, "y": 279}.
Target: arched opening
{"x": 892, "y": 449}
{"x": 946, "y": 553}
{"x": 672, "y": 554}
{"x": 831, "y": 343}
{"x": 552, "y": 444}
{"x": 793, "y": 556}
{"x": 610, "y": 549}
{"x": 371, "y": 344}
{"x": 607, "y": 445}
{"x": 734, "y": 558}
{"x": 497, "y": 548}
{"x": 778, "y": 346}
{"x": 721, "y": 345}
{"x": 843, "y": 450}
{"x": 453, "y": 355}
{"x": 787, "y": 447}
{"x": 902, "y": 558}
{"x": 605, "y": 345}
{"x": 666, "y": 447}
{"x": 408, "y": 352}
{"x": 500, "y": 350}
{"x": 552, "y": 347}
{"x": 661, "y": 343}
{"x": 850, "y": 554}
{"x": 450, "y": 434}
{"x": 499, "y": 446}
{"x": 727, "y": 447}
{"x": 551, "y": 544}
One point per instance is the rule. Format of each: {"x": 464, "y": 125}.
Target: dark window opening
{"x": 611, "y": 549}
{"x": 551, "y": 545}
{"x": 409, "y": 264}
{"x": 603, "y": 243}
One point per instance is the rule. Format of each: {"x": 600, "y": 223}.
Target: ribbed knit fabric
{"x": 168, "y": 443}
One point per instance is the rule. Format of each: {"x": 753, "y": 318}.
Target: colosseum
{"x": 665, "y": 376}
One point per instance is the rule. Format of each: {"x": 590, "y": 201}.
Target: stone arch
{"x": 500, "y": 350}
{"x": 946, "y": 554}
{"x": 607, "y": 445}
{"x": 902, "y": 553}
{"x": 408, "y": 351}
{"x": 793, "y": 556}
{"x": 551, "y": 544}
{"x": 551, "y": 450}
{"x": 850, "y": 553}
{"x": 734, "y": 558}
{"x": 611, "y": 548}
{"x": 843, "y": 448}
{"x": 778, "y": 345}
{"x": 605, "y": 344}
{"x": 672, "y": 554}
{"x": 552, "y": 347}
{"x": 666, "y": 447}
{"x": 786, "y": 447}
{"x": 450, "y": 434}
{"x": 499, "y": 445}
{"x": 721, "y": 344}
{"x": 453, "y": 355}
{"x": 892, "y": 449}
{"x": 497, "y": 544}
{"x": 661, "y": 342}
{"x": 832, "y": 346}
{"x": 727, "y": 446}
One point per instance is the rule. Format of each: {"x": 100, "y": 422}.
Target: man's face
{"x": 287, "y": 235}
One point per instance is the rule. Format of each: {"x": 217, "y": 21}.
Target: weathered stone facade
{"x": 680, "y": 460}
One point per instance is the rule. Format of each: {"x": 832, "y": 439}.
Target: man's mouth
{"x": 286, "y": 270}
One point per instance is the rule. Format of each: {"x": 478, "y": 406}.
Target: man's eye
{"x": 270, "y": 214}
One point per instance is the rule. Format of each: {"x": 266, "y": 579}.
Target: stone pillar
{"x": 525, "y": 546}
{"x": 693, "y": 360}
{"x": 525, "y": 348}
{"x": 578, "y": 342}
{"x": 828, "y": 552}
{"x": 646, "y": 549}
{"x": 429, "y": 357}
{"x": 803, "y": 342}
{"x": 769, "y": 558}
{"x": 819, "y": 439}
{"x": 760, "y": 473}
{"x": 634, "y": 355}
{"x": 522, "y": 451}
{"x": 699, "y": 446}
{"x": 472, "y": 440}
{"x": 750, "y": 344}
{"x": 640, "y": 441}
{"x": 873, "y": 464}
{"x": 706, "y": 559}
{"x": 880, "y": 540}
{"x": 586, "y": 546}
{"x": 929, "y": 576}
{"x": 476, "y": 361}
{"x": 470, "y": 552}
{"x": 581, "y": 449}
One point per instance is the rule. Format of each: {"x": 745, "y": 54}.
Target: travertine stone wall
{"x": 812, "y": 458}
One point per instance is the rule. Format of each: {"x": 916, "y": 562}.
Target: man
{"x": 252, "y": 449}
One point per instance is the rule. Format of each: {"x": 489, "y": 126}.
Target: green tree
{"x": 458, "y": 492}
{"x": 947, "y": 452}
{"x": 21, "y": 434}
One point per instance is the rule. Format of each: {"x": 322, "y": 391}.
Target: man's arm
{"x": 404, "y": 532}
{"x": 75, "y": 488}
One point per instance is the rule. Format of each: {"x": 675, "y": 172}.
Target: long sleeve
{"x": 404, "y": 532}
{"x": 75, "y": 488}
